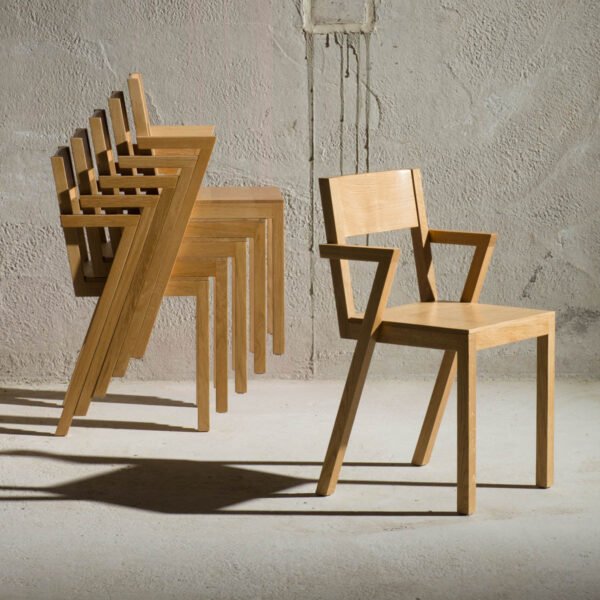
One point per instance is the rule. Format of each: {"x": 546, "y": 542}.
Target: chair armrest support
{"x": 484, "y": 247}
{"x": 118, "y": 201}
{"x": 70, "y": 221}
{"x": 387, "y": 259}
{"x": 462, "y": 238}
{"x": 157, "y": 162}
{"x": 360, "y": 253}
{"x": 138, "y": 181}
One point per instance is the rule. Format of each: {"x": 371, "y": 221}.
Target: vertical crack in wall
{"x": 348, "y": 39}
{"x": 340, "y": 41}
{"x": 309, "y": 44}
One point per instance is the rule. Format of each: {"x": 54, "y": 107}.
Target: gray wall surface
{"x": 497, "y": 101}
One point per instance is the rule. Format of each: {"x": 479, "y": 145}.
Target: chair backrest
{"x": 139, "y": 108}
{"x": 374, "y": 203}
{"x": 99, "y": 242}
{"x": 120, "y": 124}
{"x": 82, "y": 244}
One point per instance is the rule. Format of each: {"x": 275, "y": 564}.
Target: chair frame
{"x": 253, "y": 230}
{"x": 140, "y": 272}
{"x": 229, "y": 203}
{"x": 219, "y": 246}
{"x": 460, "y": 344}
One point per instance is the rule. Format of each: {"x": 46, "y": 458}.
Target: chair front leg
{"x": 345, "y": 417}
{"x": 220, "y": 335}
{"x": 202, "y": 356}
{"x": 466, "y": 422}
{"x": 544, "y": 472}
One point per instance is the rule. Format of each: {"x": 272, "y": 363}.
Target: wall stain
{"x": 349, "y": 46}
{"x": 578, "y": 319}
{"x": 526, "y": 293}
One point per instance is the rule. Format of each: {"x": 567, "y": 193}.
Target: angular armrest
{"x": 182, "y": 130}
{"x": 156, "y": 162}
{"x": 118, "y": 201}
{"x": 138, "y": 181}
{"x": 462, "y": 238}
{"x": 70, "y": 221}
{"x": 181, "y": 136}
{"x": 484, "y": 247}
{"x": 362, "y": 253}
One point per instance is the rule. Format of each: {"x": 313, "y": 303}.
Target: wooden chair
{"x": 264, "y": 203}
{"x": 253, "y": 230}
{"x": 376, "y": 202}
{"x": 195, "y": 283}
{"x": 96, "y": 268}
{"x": 145, "y": 268}
{"x": 214, "y": 248}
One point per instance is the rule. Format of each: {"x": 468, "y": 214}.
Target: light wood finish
{"x": 241, "y": 202}
{"x": 217, "y": 271}
{"x": 242, "y": 229}
{"x": 376, "y": 202}
{"x": 234, "y": 249}
{"x": 545, "y": 410}
{"x": 154, "y": 271}
{"x": 264, "y": 204}
{"x": 466, "y": 423}
{"x": 110, "y": 289}
{"x": 137, "y": 272}
{"x": 253, "y": 230}
{"x": 198, "y": 287}
{"x": 387, "y": 262}
{"x": 104, "y": 157}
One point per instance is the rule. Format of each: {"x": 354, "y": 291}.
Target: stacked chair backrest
{"x": 164, "y": 236}
{"x": 139, "y": 108}
{"x": 122, "y": 230}
{"x": 86, "y": 282}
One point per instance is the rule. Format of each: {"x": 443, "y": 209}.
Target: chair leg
{"x": 278, "y": 256}
{"x": 345, "y": 416}
{"x": 436, "y": 409}
{"x": 544, "y": 472}
{"x": 240, "y": 337}
{"x": 466, "y": 413}
{"x": 258, "y": 278}
{"x": 221, "y": 332}
{"x": 202, "y": 356}
{"x": 251, "y": 293}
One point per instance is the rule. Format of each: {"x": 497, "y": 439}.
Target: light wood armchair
{"x": 376, "y": 202}
{"x": 247, "y": 203}
{"x": 138, "y": 270}
{"x": 251, "y": 230}
{"x": 104, "y": 252}
{"x": 232, "y": 247}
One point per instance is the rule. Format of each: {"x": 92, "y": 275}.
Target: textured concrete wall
{"x": 496, "y": 100}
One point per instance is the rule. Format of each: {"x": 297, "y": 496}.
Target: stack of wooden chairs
{"x": 138, "y": 225}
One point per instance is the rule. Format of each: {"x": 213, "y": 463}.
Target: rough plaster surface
{"x": 135, "y": 505}
{"x": 497, "y": 101}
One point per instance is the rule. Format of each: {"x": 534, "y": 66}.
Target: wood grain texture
{"x": 363, "y": 204}
{"x": 466, "y": 423}
{"x": 382, "y": 283}
{"x": 545, "y": 409}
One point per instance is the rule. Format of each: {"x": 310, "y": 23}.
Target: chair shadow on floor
{"x": 175, "y": 486}
{"x": 53, "y": 399}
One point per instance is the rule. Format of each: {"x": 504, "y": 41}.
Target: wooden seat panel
{"x": 464, "y": 317}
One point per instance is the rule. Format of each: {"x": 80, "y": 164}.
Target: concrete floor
{"x": 135, "y": 504}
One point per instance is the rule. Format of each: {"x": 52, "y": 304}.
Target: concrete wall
{"x": 497, "y": 101}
